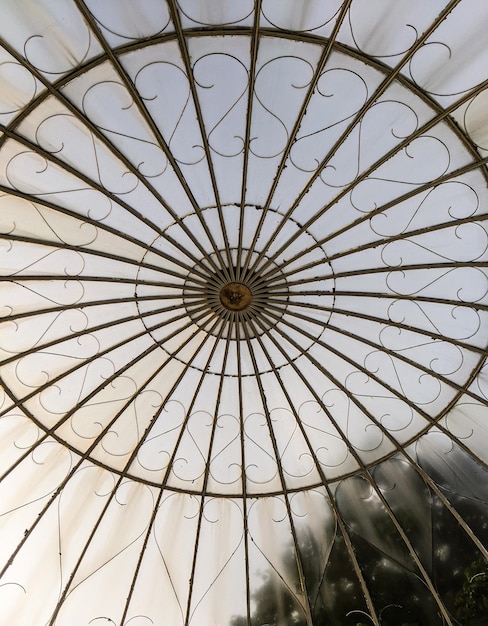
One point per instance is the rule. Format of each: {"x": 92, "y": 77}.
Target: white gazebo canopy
{"x": 243, "y": 304}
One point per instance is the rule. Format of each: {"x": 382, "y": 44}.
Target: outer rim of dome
{"x": 53, "y": 88}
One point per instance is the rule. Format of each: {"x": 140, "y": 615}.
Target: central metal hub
{"x": 235, "y": 296}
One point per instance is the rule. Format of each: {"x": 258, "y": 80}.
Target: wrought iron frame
{"x": 222, "y": 269}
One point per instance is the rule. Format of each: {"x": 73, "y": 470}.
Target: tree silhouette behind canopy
{"x": 398, "y": 593}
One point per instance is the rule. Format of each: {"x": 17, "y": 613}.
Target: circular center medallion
{"x": 235, "y": 296}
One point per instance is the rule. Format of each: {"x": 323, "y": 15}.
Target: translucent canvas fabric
{"x": 244, "y": 312}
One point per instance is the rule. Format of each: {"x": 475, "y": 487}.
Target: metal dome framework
{"x": 244, "y": 302}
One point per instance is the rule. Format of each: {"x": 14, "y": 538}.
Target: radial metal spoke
{"x": 110, "y": 499}
{"x": 394, "y": 355}
{"x": 477, "y": 306}
{"x": 247, "y": 139}
{"x": 326, "y": 52}
{"x": 157, "y": 133}
{"x": 188, "y": 613}
{"x": 237, "y": 327}
{"x": 86, "y": 455}
{"x": 363, "y": 271}
{"x": 203, "y": 312}
{"x": 223, "y": 325}
{"x": 60, "y": 308}
{"x": 227, "y": 267}
{"x": 20, "y": 278}
{"x": 388, "y": 80}
{"x": 385, "y": 207}
{"x": 104, "y": 254}
{"x": 199, "y": 269}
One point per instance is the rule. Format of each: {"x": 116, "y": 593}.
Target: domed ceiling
{"x": 244, "y": 312}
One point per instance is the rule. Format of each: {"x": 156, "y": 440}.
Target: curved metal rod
{"x": 325, "y": 481}
{"x": 227, "y": 269}
{"x": 387, "y": 81}
{"x": 164, "y": 482}
{"x": 86, "y": 455}
{"x": 247, "y": 141}
{"x": 326, "y": 52}
{"x": 237, "y": 326}
{"x": 426, "y": 578}
{"x": 133, "y": 456}
{"x": 394, "y": 355}
{"x": 207, "y": 274}
{"x": 136, "y": 359}
{"x": 383, "y": 208}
